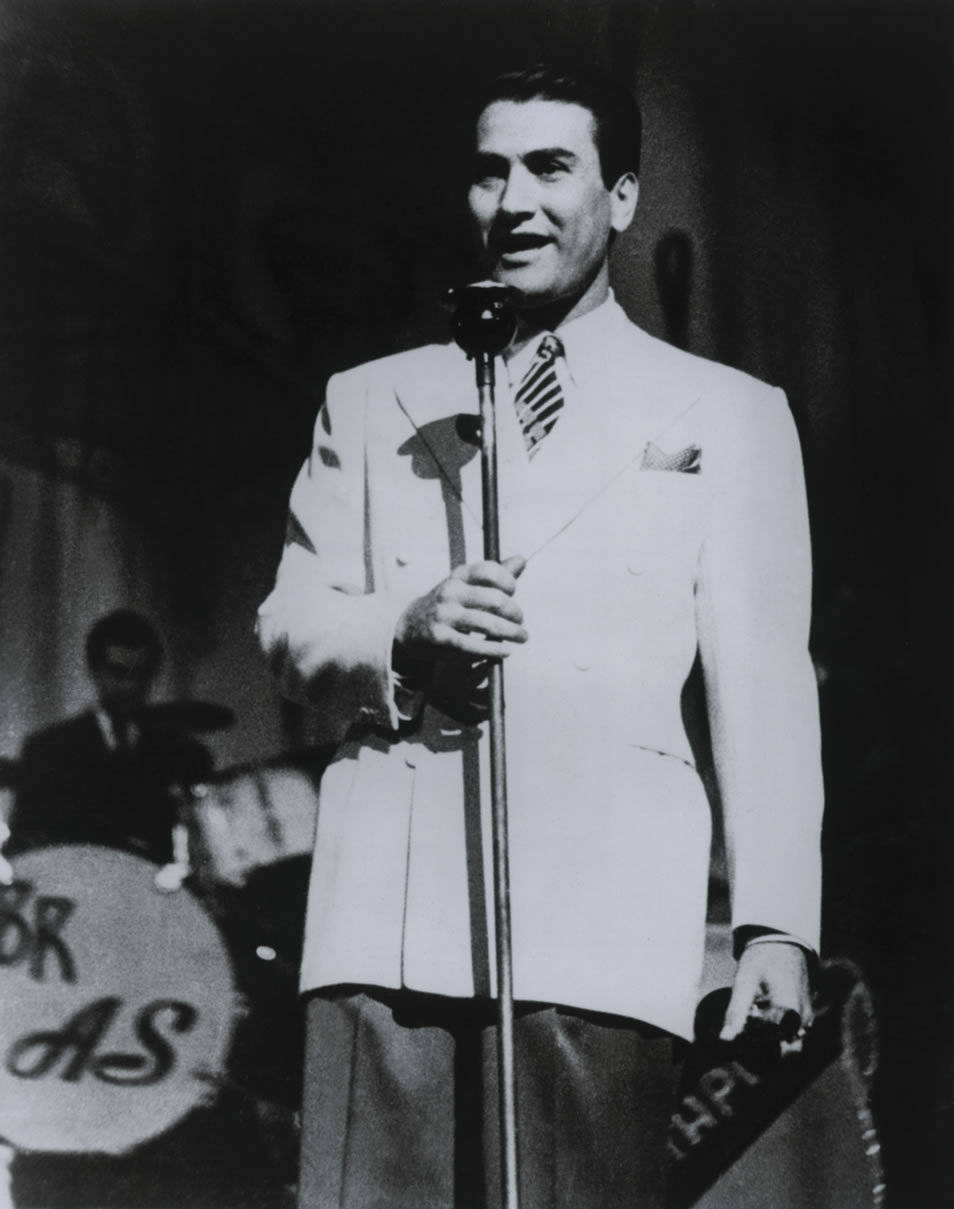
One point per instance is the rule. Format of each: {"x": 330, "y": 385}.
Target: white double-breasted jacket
{"x": 630, "y": 571}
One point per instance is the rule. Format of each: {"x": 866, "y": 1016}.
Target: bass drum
{"x": 117, "y": 1002}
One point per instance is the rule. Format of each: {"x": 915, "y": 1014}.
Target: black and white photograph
{"x": 476, "y": 550}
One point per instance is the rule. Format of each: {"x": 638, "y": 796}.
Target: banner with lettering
{"x": 757, "y": 1127}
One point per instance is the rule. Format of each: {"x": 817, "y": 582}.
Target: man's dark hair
{"x": 123, "y": 627}
{"x": 618, "y": 122}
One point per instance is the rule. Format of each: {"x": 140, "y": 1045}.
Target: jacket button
{"x": 410, "y": 762}
{"x": 633, "y": 569}
{"x": 582, "y": 665}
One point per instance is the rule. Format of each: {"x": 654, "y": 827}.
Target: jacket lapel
{"x": 440, "y": 401}
{"x": 621, "y": 400}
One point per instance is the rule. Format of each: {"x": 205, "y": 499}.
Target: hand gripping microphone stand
{"x": 484, "y": 323}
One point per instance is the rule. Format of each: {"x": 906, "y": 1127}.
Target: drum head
{"x": 116, "y": 1002}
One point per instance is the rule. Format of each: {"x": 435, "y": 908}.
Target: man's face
{"x": 542, "y": 213}
{"x": 123, "y": 678}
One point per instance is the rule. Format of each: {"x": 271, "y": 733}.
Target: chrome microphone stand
{"x": 484, "y": 323}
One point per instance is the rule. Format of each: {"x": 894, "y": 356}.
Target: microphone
{"x": 484, "y": 318}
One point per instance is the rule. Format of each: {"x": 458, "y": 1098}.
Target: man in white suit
{"x": 653, "y": 504}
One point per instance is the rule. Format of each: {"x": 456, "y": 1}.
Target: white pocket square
{"x": 686, "y": 461}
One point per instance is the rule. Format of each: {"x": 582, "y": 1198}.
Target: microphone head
{"x": 484, "y": 319}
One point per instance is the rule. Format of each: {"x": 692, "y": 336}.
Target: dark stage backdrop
{"x": 205, "y": 208}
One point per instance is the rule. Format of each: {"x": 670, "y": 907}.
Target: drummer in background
{"x": 110, "y": 775}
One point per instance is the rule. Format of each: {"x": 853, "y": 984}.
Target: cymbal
{"x": 190, "y": 715}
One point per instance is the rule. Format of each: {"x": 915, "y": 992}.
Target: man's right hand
{"x": 473, "y": 611}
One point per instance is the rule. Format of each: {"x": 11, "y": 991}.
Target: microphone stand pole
{"x": 484, "y": 324}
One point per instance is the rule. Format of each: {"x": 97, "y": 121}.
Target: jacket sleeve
{"x": 753, "y": 616}
{"x": 325, "y": 630}
{"x": 45, "y": 804}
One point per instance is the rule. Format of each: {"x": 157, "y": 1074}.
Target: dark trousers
{"x": 400, "y": 1105}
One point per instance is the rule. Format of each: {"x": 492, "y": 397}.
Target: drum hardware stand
{"x": 484, "y": 324}
{"x": 174, "y": 873}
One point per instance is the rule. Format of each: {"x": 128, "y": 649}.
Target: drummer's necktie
{"x": 539, "y": 397}
{"x": 126, "y": 735}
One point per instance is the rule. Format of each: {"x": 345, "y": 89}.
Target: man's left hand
{"x": 771, "y": 986}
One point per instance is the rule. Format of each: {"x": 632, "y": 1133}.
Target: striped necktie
{"x": 539, "y": 398}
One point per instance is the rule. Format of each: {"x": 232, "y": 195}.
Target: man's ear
{"x": 623, "y": 197}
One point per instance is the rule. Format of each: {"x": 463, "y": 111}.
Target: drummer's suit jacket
{"x": 664, "y": 516}
{"x": 74, "y": 789}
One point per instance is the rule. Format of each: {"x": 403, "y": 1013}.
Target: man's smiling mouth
{"x": 516, "y": 243}
{"x": 520, "y": 242}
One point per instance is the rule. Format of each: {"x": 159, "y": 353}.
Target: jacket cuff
{"x": 752, "y": 934}
{"x": 407, "y": 693}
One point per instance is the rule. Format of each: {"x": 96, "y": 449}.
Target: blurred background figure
{"x": 115, "y": 773}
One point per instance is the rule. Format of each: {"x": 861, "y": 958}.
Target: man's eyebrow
{"x": 484, "y": 155}
{"x": 486, "y": 162}
{"x": 551, "y": 153}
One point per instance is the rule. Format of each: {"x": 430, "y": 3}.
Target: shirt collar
{"x": 107, "y": 728}
{"x": 583, "y": 341}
